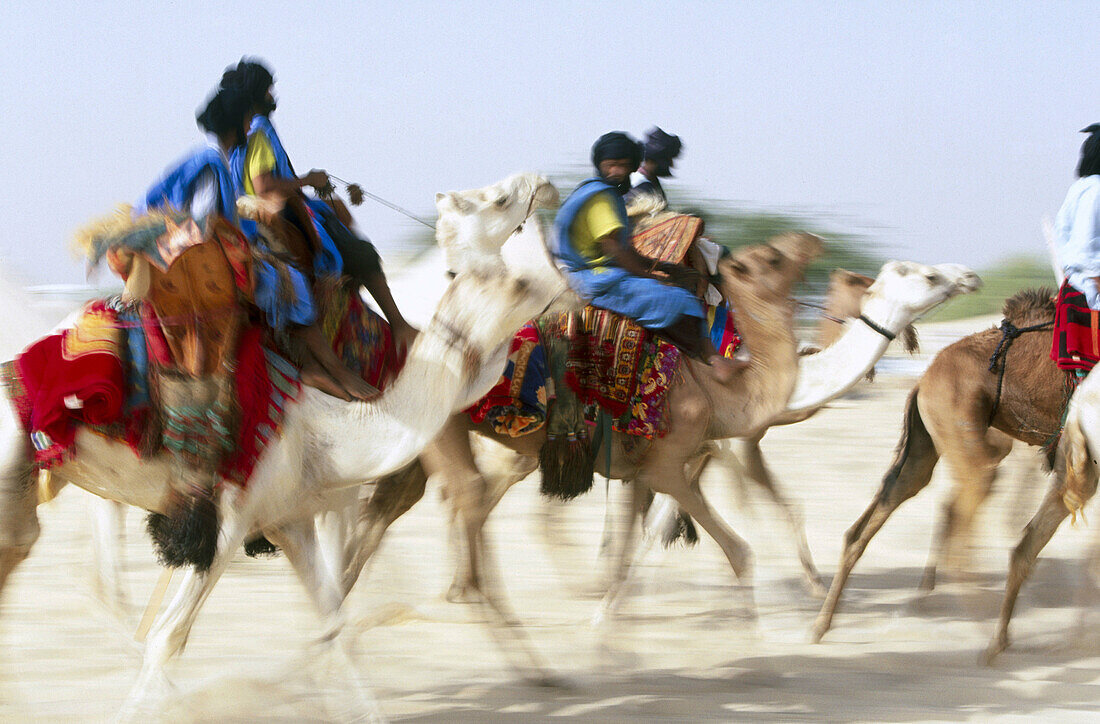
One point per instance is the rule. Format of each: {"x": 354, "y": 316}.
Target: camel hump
{"x": 1030, "y": 306}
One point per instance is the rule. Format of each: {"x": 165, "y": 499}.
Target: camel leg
{"x": 665, "y": 474}
{"x": 757, "y": 471}
{"x": 626, "y": 564}
{"x": 108, "y": 530}
{"x": 393, "y": 496}
{"x": 1037, "y": 534}
{"x": 973, "y": 460}
{"x": 910, "y": 472}
{"x": 171, "y": 629}
{"x": 18, "y": 499}
{"x": 1075, "y": 478}
{"x": 300, "y": 544}
{"x": 660, "y": 516}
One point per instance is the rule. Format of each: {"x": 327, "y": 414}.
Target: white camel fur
{"x": 326, "y": 444}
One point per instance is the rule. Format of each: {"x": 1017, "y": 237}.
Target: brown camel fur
{"x": 948, "y": 414}
{"x": 758, "y": 281}
{"x": 1075, "y": 478}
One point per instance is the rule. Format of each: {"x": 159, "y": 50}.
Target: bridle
{"x": 862, "y": 317}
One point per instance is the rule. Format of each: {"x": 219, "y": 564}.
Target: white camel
{"x": 325, "y": 444}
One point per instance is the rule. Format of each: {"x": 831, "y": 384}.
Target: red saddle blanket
{"x": 76, "y": 378}
{"x": 1076, "y": 343}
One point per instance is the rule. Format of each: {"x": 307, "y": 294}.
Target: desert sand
{"x": 682, "y": 648}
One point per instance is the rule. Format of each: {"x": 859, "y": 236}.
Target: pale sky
{"x": 945, "y": 131}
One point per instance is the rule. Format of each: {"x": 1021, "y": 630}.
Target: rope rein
{"x": 379, "y": 199}
{"x": 1009, "y": 332}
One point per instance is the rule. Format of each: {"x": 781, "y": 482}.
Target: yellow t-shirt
{"x": 258, "y": 160}
{"x": 595, "y": 220}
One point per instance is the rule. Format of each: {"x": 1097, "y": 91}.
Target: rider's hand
{"x": 316, "y": 178}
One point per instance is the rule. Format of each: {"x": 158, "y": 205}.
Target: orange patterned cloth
{"x": 668, "y": 240}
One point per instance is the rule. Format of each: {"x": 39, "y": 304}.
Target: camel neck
{"x": 832, "y": 372}
{"x": 760, "y": 391}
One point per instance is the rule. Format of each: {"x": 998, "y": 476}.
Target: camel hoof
{"x": 996, "y": 648}
{"x": 816, "y": 588}
{"x": 820, "y": 629}
{"x": 462, "y": 593}
{"x": 547, "y": 680}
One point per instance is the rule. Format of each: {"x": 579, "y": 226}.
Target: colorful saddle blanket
{"x": 616, "y": 366}
{"x": 360, "y": 337}
{"x": 517, "y": 403}
{"x": 83, "y": 377}
{"x": 1076, "y": 343}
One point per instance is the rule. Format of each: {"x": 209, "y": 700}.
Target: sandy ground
{"x": 683, "y": 647}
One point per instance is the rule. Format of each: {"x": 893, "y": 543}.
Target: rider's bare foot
{"x": 314, "y": 375}
{"x": 356, "y": 386}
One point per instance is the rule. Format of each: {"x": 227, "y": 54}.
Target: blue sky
{"x": 943, "y": 130}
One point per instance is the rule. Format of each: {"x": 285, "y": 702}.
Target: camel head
{"x": 473, "y": 225}
{"x": 768, "y": 272}
{"x": 914, "y": 288}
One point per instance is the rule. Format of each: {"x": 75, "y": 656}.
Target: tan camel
{"x": 955, "y": 412}
{"x": 843, "y": 302}
{"x": 758, "y": 281}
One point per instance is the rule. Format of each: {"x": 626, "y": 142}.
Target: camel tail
{"x": 914, "y": 450}
{"x": 1075, "y": 468}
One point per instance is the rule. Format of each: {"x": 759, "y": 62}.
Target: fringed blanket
{"x": 68, "y": 379}
{"x": 517, "y": 403}
{"x": 668, "y": 239}
{"x": 360, "y": 338}
{"x": 1076, "y": 344}
{"x": 616, "y": 366}
{"x": 81, "y": 377}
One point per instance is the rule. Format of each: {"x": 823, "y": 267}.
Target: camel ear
{"x": 800, "y": 247}
{"x": 456, "y": 201}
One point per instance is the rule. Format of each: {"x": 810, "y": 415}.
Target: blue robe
{"x": 176, "y": 188}
{"x": 176, "y": 185}
{"x": 647, "y": 301}
{"x": 327, "y": 260}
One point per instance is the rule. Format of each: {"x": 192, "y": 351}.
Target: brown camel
{"x": 955, "y": 412}
{"x": 757, "y": 280}
{"x": 1074, "y": 484}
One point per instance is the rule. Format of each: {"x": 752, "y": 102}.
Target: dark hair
{"x": 616, "y": 144}
{"x": 226, "y": 110}
{"x": 250, "y": 77}
{"x": 660, "y": 146}
{"x": 1090, "y": 152}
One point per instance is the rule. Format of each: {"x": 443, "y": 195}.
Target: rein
{"x": 382, "y": 201}
{"x": 1009, "y": 332}
{"x": 819, "y": 307}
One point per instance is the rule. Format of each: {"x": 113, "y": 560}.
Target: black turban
{"x": 226, "y": 111}
{"x": 251, "y": 78}
{"x": 660, "y": 146}
{"x": 1090, "y": 152}
{"x": 616, "y": 145}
